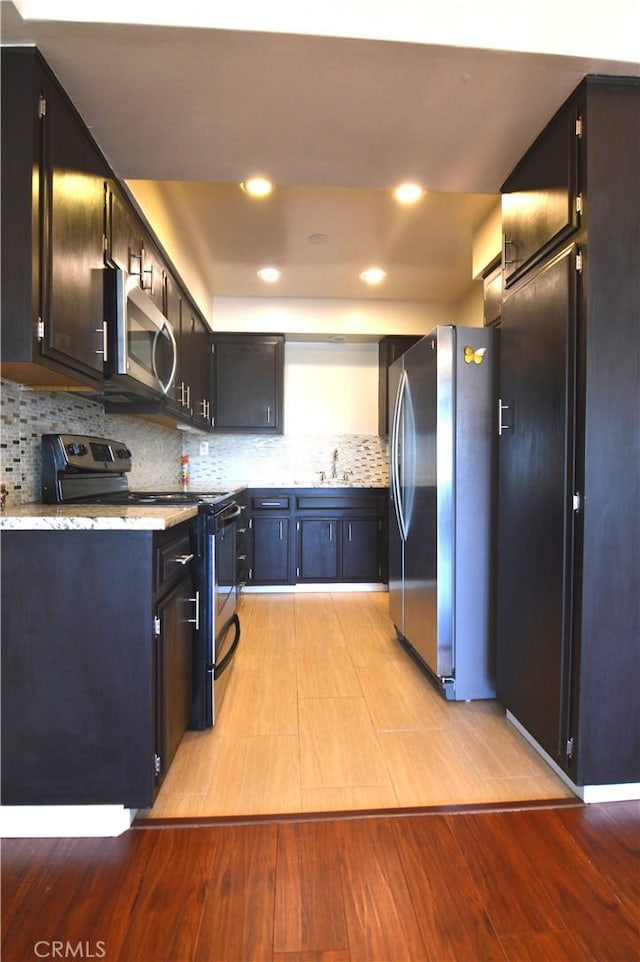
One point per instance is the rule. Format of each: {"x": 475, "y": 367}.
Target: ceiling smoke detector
{"x": 318, "y": 238}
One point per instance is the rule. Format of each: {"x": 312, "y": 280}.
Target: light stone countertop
{"x": 94, "y": 517}
{"x": 327, "y": 484}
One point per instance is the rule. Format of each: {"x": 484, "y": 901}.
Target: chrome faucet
{"x": 334, "y": 461}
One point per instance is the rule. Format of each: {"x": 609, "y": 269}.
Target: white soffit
{"x": 608, "y": 31}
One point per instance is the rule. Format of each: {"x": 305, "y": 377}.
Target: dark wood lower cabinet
{"x": 271, "y": 550}
{"x": 317, "y": 535}
{"x": 361, "y": 544}
{"x": 96, "y": 664}
{"x": 174, "y": 670}
{"x": 318, "y": 547}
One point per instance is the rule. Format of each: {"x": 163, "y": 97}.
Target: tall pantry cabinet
{"x": 568, "y": 621}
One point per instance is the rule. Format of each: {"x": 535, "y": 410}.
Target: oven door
{"x": 141, "y": 343}
{"x": 226, "y": 624}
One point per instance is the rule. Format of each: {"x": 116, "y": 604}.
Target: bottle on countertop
{"x": 184, "y": 471}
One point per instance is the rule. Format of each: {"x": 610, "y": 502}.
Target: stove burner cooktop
{"x": 176, "y": 497}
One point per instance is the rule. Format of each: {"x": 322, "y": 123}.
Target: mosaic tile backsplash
{"x": 282, "y": 461}
{"x": 255, "y": 460}
{"x": 25, "y": 415}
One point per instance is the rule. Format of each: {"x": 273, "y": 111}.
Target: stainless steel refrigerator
{"x": 444, "y": 420}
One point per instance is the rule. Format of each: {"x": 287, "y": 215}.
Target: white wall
{"x": 471, "y": 309}
{"x": 330, "y": 388}
{"x": 326, "y": 316}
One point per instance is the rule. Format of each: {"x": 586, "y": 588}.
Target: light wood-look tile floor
{"x": 324, "y": 711}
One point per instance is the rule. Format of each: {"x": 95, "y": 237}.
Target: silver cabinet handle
{"x": 183, "y": 559}
{"x": 147, "y": 282}
{"x": 103, "y": 330}
{"x": 349, "y": 529}
{"x": 135, "y": 269}
{"x": 195, "y": 621}
{"x": 507, "y": 243}
{"x": 330, "y": 531}
{"x": 280, "y": 528}
{"x": 501, "y": 425}
{"x": 268, "y": 414}
{"x": 270, "y": 504}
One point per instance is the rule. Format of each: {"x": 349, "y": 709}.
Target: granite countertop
{"x": 94, "y": 517}
{"x": 328, "y": 483}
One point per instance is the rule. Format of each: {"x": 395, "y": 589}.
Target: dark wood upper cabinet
{"x": 53, "y": 178}
{"x": 248, "y": 382}
{"x": 542, "y": 200}
{"x": 197, "y": 363}
{"x": 131, "y": 247}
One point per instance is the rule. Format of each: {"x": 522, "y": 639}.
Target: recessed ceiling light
{"x": 318, "y": 238}
{"x": 257, "y": 186}
{"x": 373, "y": 275}
{"x": 408, "y": 193}
{"x": 269, "y": 274}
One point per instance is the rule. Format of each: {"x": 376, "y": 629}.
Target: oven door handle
{"x": 234, "y": 512}
{"x": 224, "y": 664}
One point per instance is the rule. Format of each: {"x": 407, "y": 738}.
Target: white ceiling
{"x": 335, "y": 122}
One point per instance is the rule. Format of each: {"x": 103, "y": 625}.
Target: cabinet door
{"x": 174, "y": 693}
{"x": 536, "y": 483}
{"x": 73, "y": 178}
{"x": 361, "y": 549}
{"x": 198, "y": 363}
{"x": 318, "y": 545}
{"x": 249, "y": 378}
{"x": 124, "y": 233}
{"x": 389, "y": 350}
{"x": 271, "y": 555}
{"x": 540, "y": 203}
{"x": 153, "y": 273}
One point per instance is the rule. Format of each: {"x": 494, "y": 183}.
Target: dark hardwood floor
{"x": 542, "y": 884}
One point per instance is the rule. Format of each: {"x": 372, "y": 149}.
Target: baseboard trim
{"x": 65, "y": 821}
{"x": 306, "y": 588}
{"x": 589, "y": 794}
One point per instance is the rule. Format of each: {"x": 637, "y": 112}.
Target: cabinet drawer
{"x": 172, "y": 558}
{"x": 339, "y": 502}
{"x": 264, "y": 504}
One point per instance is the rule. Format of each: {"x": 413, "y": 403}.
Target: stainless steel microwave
{"x": 141, "y": 346}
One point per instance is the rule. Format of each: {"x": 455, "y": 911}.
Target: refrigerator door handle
{"x": 395, "y": 461}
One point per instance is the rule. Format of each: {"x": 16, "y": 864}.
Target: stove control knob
{"x": 76, "y": 450}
